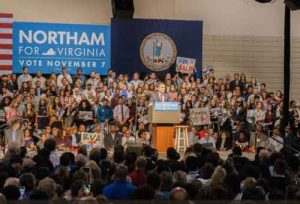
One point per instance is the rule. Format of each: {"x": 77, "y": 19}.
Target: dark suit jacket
{"x": 41, "y": 91}
{"x": 239, "y": 116}
{"x": 155, "y": 97}
{"x": 109, "y": 142}
{"x": 233, "y": 85}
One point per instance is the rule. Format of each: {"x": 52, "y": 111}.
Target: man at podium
{"x": 160, "y": 95}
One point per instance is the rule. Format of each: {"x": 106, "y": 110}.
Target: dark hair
{"x": 207, "y": 170}
{"x": 154, "y": 181}
{"x": 191, "y": 163}
{"x": 11, "y": 192}
{"x": 50, "y": 144}
{"x": 172, "y": 154}
{"x": 253, "y": 193}
{"x": 97, "y": 187}
{"x": 95, "y": 155}
{"x": 144, "y": 193}
{"x": 119, "y": 156}
{"x": 39, "y": 195}
{"x": 280, "y": 167}
{"x": 27, "y": 180}
{"x": 65, "y": 159}
{"x": 103, "y": 153}
{"x": 76, "y": 186}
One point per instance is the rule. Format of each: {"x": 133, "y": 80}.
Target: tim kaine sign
{"x": 50, "y": 46}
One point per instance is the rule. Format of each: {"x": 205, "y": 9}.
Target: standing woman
{"x": 270, "y": 118}
{"x": 55, "y": 106}
{"x": 11, "y": 111}
{"x": 132, "y": 111}
{"x": 260, "y": 114}
{"x": 42, "y": 117}
{"x": 30, "y": 115}
{"x": 172, "y": 93}
{"x": 85, "y": 114}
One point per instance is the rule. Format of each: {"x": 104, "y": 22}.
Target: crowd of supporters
{"x": 45, "y": 117}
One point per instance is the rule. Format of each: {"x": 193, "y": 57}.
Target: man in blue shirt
{"x": 120, "y": 189}
{"x": 104, "y": 112}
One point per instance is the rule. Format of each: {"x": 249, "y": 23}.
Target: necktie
{"x": 122, "y": 113}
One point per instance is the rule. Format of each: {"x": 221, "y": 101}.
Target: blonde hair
{"x": 218, "y": 176}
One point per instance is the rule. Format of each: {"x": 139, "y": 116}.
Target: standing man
{"x": 81, "y": 77}
{"x": 39, "y": 77}
{"x": 121, "y": 112}
{"x": 104, "y": 113}
{"x": 112, "y": 138}
{"x": 25, "y": 77}
{"x": 136, "y": 80}
{"x": 63, "y": 75}
{"x": 14, "y": 134}
{"x": 160, "y": 95}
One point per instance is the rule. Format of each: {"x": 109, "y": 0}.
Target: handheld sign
{"x": 185, "y": 65}
{"x": 91, "y": 140}
{"x": 200, "y": 116}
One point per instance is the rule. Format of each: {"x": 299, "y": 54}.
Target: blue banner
{"x": 146, "y": 45}
{"x": 50, "y": 46}
{"x": 166, "y": 106}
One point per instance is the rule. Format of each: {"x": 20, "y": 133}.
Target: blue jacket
{"x": 104, "y": 113}
{"x": 119, "y": 190}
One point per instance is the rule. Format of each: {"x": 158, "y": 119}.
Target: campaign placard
{"x": 185, "y": 65}
{"x": 200, "y": 116}
{"x": 50, "y": 46}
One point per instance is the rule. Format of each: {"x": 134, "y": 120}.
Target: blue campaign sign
{"x": 50, "y": 46}
{"x": 166, "y": 106}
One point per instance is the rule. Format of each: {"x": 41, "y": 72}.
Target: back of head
{"x": 166, "y": 180}
{"x": 28, "y": 180}
{"x": 179, "y": 195}
{"x": 47, "y": 185}
{"x": 141, "y": 162}
{"x": 76, "y": 186}
{"x": 280, "y": 167}
{"x": 121, "y": 172}
{"x": 154, "y": 181}
{"x": 191, "y": 163}
{"x": 95, "y": 155}
{"x": 144, "y": 193}
{"x": 11, "y": 192}
{"x": 253, "y": 193}
{"x": 50, "y": 144}
{"x": 207, "y": 170}
{"x": 172, "y": 154}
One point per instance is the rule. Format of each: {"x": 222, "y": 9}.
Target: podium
{"x": 163, "y": 116}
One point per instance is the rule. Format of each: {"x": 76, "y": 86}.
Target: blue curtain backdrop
{"x": 127, "y": 36}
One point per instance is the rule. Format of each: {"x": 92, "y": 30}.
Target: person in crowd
{"x": 25, "y": 77}
{"x": 224, "y": 142}
{"x": 113, "y": 138}
{"x": 121, "y": 113}
{"x": 104, "y": 112}
{"x": 14, "y": 134}
{"x": 160, "y": 95}
{"x": 76, "y": 135}
{"x": 208, "y": 139}
{"x": 64, "y": 78}
{"x": 120, "y": 189}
